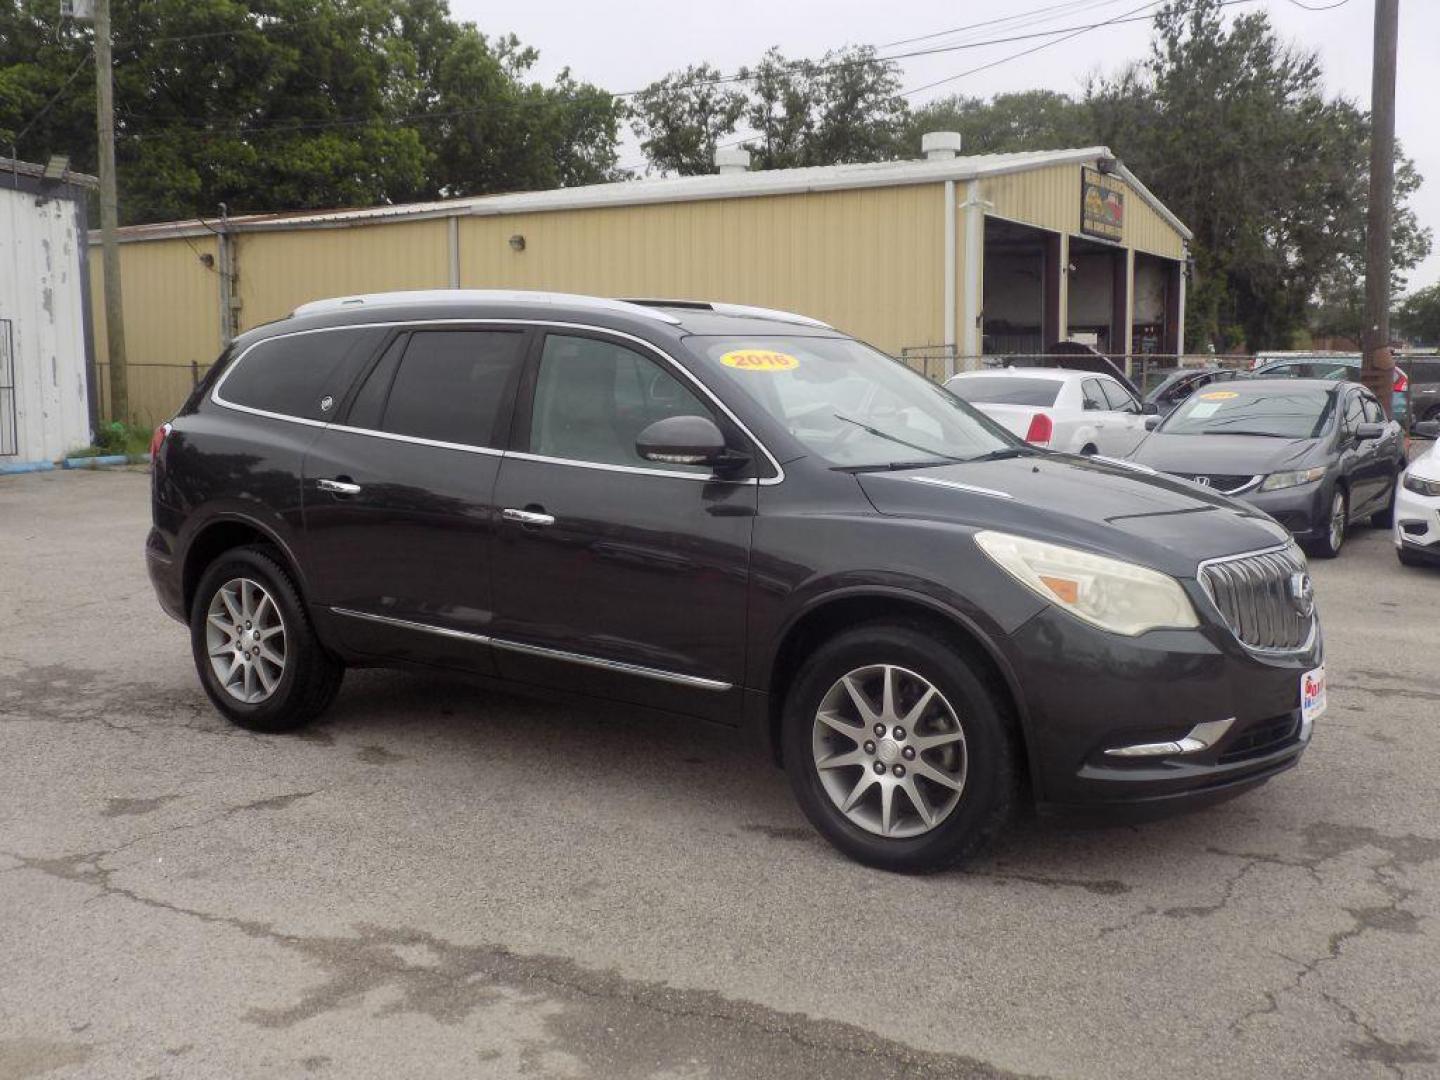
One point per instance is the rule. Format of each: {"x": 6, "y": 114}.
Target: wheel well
{"x": 213, "y": 541}
{"x": 1089, "y": 448}
{"x": 823, "y": 623}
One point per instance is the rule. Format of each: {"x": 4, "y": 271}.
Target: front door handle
{"x": 339, "y": 487}
{"x": 527, "y": 517}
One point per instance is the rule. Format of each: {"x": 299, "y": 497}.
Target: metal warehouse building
{"x": 950, "y": 256}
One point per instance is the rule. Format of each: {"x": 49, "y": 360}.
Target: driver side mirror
{"x": 688, "y": 440}
{"x": 1150, "y": 408}
{"x": 1367, "y": 431}
{"x": 1427, "y": 429}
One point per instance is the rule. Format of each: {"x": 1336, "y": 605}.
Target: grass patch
{"x": 116, "y": 438}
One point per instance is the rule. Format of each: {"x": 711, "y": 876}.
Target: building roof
{"x": 14, "y": 167}
{"x": 676, "y": 189}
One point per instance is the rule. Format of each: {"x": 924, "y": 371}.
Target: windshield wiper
{"x": 1263, "y": 434}
{"x": 894, "y": 466}
{"x": 1005, "y": 452}
{"x": 896, "y": 438}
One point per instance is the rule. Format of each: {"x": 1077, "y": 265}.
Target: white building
{"x": 47, "y": 405}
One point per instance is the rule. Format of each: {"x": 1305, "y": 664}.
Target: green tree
{"x": 681, "y": 118}
{"x": 1418, "y": 317}
{"x": 1006, "y": 123}
{"x": 1231, "y": 128}
{"x": 298, "y": 104}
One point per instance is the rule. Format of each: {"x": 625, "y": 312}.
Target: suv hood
{"x": 1107, "y": 508}
{"x": 1249, "y": 455}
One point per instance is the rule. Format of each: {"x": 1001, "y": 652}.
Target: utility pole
{"x": 109, "y": 215}
{"x": 1377, "y": 366}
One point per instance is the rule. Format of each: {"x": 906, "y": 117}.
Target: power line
{"x": 1063, "y": 9}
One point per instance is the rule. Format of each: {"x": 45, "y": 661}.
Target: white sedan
{"x": 1417, "y": 504}
{"x": 1079, "y": 412}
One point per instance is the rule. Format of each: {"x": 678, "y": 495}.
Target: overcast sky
{"x": 624, "y": 44}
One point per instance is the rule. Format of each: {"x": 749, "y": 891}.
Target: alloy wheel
{"x": 245, "y": 640}
{"x": 890, "y": 751}
{"x": 1337, "y": 522}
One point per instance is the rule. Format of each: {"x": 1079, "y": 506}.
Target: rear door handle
{"x": 527, "y": 517}
{"x": 339, "y": 487}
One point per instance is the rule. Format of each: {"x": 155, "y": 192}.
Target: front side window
{"x": 299, "y": 375}
{"x": 1354, "y": 413}
{"x": 593, "y": 398}
{"x": 1235, "y": 409}
{"x": 1094, "y": 397}
{"x": 448, "y": 386}
{"x": 1118, "y": 397}
{"x": 1373, "y": 413}
{"x": 848, "y": 404}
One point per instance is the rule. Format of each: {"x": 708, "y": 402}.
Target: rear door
{"x": 614, "y": 576}
{"x": 399, "y": 517}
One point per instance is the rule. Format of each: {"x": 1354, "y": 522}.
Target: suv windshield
{"x": 851, "y": 405}
{"x": 1301, "y": 413}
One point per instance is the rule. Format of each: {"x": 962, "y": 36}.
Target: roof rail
{"x": 742, "y": 310}
{"x": 474, "y": 296}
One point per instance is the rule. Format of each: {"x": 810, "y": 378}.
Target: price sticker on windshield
{"x": 1219, "y": 395}
{"x": 759, "y": 360}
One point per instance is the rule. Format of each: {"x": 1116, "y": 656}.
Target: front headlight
{"x": 1421, "y": 487}
{"x": 1111, "y": 594}
{"x": 1277, "y": 480}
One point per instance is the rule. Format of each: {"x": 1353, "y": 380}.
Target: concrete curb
{"x": 26, "y": 466}
{"x": 105, "y": 460}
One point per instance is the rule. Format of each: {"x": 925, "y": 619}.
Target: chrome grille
{"x": 1253, "y": 595}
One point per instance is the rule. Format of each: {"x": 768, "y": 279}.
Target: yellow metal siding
{"x": 868, "y": 261}
{"x": 1050, "y": 199}
{"x": 172, "y": 317}
{"x": 278, "y": 270}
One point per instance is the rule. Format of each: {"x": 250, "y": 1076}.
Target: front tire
{"x": 1330, "y": 543}
{"x": 255, "y": 651}
{"x": 896, "y": 749}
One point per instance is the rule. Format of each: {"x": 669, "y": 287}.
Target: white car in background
{"x": 1417, "y": 504}
{"x": 1079, "y": 412}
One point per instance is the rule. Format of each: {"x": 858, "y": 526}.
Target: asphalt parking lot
{"x": 436, "y": 882}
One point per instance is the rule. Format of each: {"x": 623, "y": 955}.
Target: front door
{"x": 614, "y": 576}
{"x": 399, "y": 518}
{"x": 1124, "y": 422}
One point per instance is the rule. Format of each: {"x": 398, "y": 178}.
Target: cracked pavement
{"x": 439, "y": 881}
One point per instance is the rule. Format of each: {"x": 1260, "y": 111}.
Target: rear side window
{"x": 301, "y": 375}
{"x": 449, "y": 386}
{"x": 999, "y": 390}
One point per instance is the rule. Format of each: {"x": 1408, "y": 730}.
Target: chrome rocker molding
{"x": 1201, "y": 737}
{"x": 693, "y": 681}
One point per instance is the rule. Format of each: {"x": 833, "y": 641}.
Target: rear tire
{"x": 255, "y": 651}
{"x": 957, "y": 732}
{"x": 1329, "y": 545}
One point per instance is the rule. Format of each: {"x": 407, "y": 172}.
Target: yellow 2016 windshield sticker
{"x": 759, "y": 360}
{"x": 1219, "y": 395}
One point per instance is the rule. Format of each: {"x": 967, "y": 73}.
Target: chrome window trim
{"x": 1310, "y": 639}
{"x": 958, "y": 486}
{"x": 709, "y": 394}
{"x": 618, "y": 666}
{"x": 639, "y": 470}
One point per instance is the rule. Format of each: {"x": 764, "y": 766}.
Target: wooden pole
{"x": 109, "y": 218}
{"x": 1377, "y": 366}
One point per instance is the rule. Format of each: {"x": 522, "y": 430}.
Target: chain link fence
{"x": 156, "y": 390}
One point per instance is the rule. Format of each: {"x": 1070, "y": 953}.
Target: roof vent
{"x": 731, "y": 160}
{"x": 940, "y": 145}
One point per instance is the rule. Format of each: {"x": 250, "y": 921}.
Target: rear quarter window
{"x": 298, "y": 375}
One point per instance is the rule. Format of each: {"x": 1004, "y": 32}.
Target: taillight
{"x": 1402, "y": 382}
{"x": 158, "y": 439}
{"x": 1040, "y": 430}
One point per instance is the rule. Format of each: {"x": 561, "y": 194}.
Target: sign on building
{"x": 1102, "y": 205}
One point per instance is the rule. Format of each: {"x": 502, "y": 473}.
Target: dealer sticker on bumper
{"x": 1312, "y": 697}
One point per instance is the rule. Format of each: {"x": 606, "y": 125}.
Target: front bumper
{"x": 1087, "y": 691}
{"x": 1303, "y": 509}
{"x": 1417, "y": 522}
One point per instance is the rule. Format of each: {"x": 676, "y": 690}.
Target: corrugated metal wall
{"x": 46, "y": 407}
{"x": 868, "y": 260}
{"x": 278, "y": 270}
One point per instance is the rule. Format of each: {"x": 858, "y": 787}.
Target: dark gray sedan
{"x": 1313, "y": 454}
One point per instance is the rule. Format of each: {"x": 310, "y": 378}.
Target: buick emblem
{"x": 1302, "y": 594}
